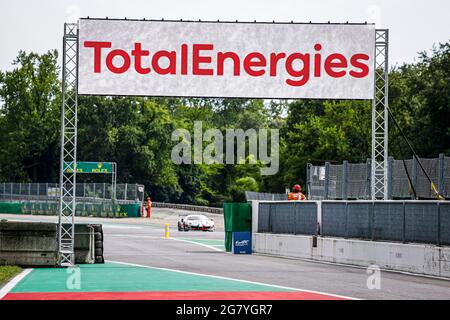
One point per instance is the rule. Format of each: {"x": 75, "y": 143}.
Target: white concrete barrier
{"x": 415, "y": 258}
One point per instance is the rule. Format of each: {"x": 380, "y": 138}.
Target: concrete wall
{"x": 36, "y": 243}
{"x": 415, "y": 258}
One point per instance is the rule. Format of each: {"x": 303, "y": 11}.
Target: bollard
{"x": 166, "y": 229}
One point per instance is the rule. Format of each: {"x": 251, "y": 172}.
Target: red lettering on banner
{"x": 171, "y": 56}
{"x": 138, "y": 53}
{"x": 274, "y": 58}
{"x": 97, "y": 45}
{"x": 303, "y": 73}
{"x": 197, "y": 59}
{"x": 355, "y": 61}
{"x": 118, "y": 53}
{"x": 334, "y": 61}
{"x": 184, "y": 59}
{"x": 255, "y": 59}
{"x": 221, "y": 56}
{"x": 317, "y": 60}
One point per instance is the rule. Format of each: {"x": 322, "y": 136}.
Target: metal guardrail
{"x": 187, "y": 207}
{"x": 408, "y": 221}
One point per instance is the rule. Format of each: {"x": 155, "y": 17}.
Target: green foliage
{"x": 136, "y": 132}
{"x": 241, "y": 185}
{"x": 29, "y": 118}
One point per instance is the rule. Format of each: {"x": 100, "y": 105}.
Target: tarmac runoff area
{"x": 142, "y": 264}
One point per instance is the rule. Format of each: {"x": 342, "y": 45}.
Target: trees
{"x": 29, "y": 118}
{"x": 420, "y": 100}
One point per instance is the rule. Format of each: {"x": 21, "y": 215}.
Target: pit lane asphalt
{"x": 143, "y": 243}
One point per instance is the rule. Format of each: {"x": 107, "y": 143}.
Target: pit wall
{"x": 424, "y": 259}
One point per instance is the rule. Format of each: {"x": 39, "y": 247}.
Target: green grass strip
{"x": 7, "y": 273}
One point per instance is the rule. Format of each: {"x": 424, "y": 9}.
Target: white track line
{"x": 198, "y": 243}
{"x": 11, "y": 284}
{"x": 232, "y": 279}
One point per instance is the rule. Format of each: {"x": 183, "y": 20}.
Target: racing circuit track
{"x": 141, "y": 242}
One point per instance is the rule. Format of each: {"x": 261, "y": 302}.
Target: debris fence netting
{"x": 352, "y": 180}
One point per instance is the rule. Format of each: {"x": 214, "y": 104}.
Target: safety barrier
{"x": 403, "y": 221}
{"x": 187, "y": 207}
{"x": 288, "y": 217}
{"x": 120, "y": 209}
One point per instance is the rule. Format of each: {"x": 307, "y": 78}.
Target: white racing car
{"x": 195, "y": 222}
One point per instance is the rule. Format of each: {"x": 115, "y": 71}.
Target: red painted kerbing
{"x": 167, "y": 295}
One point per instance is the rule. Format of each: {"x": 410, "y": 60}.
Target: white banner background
{"x": 241, "y": 38}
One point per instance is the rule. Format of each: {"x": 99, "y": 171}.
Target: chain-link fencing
{"x": 352, "y": 180}
{"x": 85, "y": 192}
{"x": 250, "y": 195}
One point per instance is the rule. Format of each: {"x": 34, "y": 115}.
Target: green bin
{"x": 237, "y": 217}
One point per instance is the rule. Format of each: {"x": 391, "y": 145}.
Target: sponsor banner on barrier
{"x": 222, "y": 59}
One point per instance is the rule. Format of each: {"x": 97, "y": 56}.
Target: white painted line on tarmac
{"x": 238, "y": 280}
{"x": 198, "y": 243}
{"x": 138, "y": 236}
{"x": 118, "y": 226}
{"x": 11, "y": 284}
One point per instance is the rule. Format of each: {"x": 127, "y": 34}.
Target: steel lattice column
{"x": 379, "y": 175}
{"x": 67, "y": 179}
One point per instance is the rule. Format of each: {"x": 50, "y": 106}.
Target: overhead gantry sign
{"x": 222, "y": 60}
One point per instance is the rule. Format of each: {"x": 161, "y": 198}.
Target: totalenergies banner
{"x": 223, "y": 59}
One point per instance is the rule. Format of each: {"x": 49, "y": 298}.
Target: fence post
{"x": 270, "y": 218}
{"x": 438, "y": 224}
{"x": 390, "y": 177}
{"x": 308, "y": 179}
{"x": 104, "y": 190}
{"x": 344, "y": 179}
{"x": 414, "y": 177}
{"x": 404, "y": 223}
{"x": 441, "y": 177}
{"x": 346, "y": 219}
{"x": 368, "y": 179}
{"x": 373, "y": 220}
{"x": 125, "y": 196}
{"x": 327, "y": 179}
{"x": 29, "y": 190}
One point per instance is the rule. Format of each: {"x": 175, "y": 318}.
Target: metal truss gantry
{"x": 379, "y": 181}
{"x": 379, "y": 172}
{"x": 67, "y": 178}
